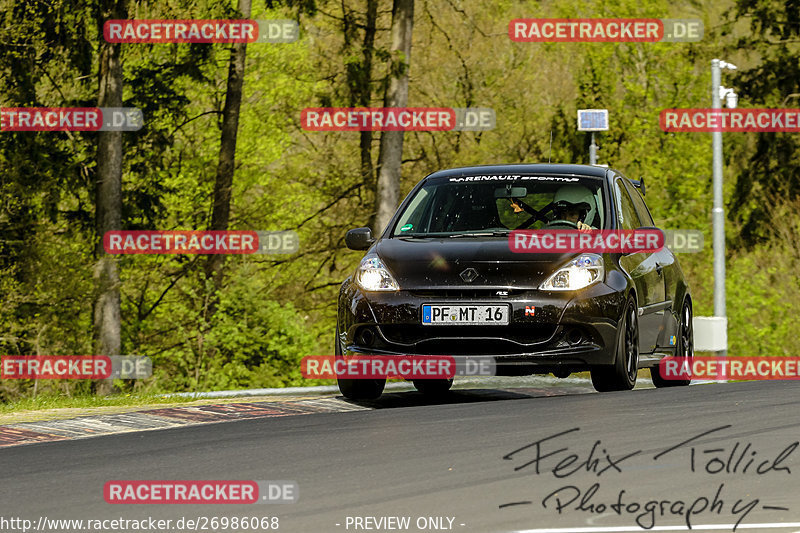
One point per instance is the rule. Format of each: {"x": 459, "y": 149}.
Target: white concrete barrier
{"x": 710, "y": 333}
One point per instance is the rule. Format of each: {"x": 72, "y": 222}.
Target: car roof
{"x": 542, "y": 168}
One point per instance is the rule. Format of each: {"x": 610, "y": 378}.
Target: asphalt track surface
{"x": 471, "y": 458}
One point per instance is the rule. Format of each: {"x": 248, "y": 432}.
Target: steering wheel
{"x": 561, "y": 222}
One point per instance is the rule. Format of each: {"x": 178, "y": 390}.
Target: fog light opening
{"x": 574, "y": 336}
{"x": 366, "y": 337}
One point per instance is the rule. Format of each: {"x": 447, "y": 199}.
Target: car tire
{"x": 433, "y": 387}
{"x": 622, "y": 374}
{"x": 685, "y": 348}
{"x": 356, "y": 389}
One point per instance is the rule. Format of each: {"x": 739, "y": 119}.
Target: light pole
{"x": 717, "y": 212}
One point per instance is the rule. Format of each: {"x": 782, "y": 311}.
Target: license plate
{"x": 459, "y": 315}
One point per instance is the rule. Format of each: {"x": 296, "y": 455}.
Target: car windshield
{"x": 478, "y": 205}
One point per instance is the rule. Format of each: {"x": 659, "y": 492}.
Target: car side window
{"x": 412, "y": 218}
{"x": 626, "y": 211}
{"x": 641, "y": 207}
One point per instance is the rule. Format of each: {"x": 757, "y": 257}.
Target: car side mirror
{"x": 359, "y": 239}
{"x": 639, "y": 184}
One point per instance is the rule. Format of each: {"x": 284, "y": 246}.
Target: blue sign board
{"x": 592, "y": 119}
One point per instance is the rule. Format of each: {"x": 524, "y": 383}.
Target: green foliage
{"x": 771, "y": 79}
{"x": 251, "y": 343}
{"x": 273, "y": 310}
{"x": 763, "y": 321}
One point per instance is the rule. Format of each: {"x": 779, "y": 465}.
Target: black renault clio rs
{"x": 443, "y": 280}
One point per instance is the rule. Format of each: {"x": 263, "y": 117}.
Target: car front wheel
{"x": 622, "y": 374}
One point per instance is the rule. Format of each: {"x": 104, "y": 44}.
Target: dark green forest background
{"x": 270, "y": 311}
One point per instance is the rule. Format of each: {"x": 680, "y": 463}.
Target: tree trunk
{"x": 364, "y": 90}
{"x": 108, "y": 200}
{"x": 391, "y": 150}
{"x": 220, "y": 215}
{"x": 359, "y": 82}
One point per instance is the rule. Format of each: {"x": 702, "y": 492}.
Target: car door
{"x": 665, "y": 261}
{"x": 644, "y": 270}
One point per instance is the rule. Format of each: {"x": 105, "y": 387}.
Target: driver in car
{"x": 573, "y": 203}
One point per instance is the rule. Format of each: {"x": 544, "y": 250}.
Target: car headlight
{"x": 373, "y": 276}
{"x": 580, "y": 272}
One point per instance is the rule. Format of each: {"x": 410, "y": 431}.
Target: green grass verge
{"x": 42, "y": 402}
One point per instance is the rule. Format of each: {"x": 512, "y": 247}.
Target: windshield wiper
{"x": 420, "y": 236}
{"x": 493, "y": 233}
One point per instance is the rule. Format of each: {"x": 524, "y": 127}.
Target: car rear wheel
{"x": 433, "y": 387}
{"x": 356, "y": 389}
{"x": 685, "y": 348}
{"x": 622, "y": 374}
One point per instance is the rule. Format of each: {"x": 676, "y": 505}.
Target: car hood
{"x": 437, "y": 263}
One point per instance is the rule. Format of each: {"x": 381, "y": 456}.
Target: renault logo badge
{"x": 469, "y": 275}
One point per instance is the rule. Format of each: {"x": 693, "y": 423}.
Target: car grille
{"x": 476, "y": 294}
{"x": 467, "y": 339}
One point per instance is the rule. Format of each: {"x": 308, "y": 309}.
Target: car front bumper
{"x": 547, "y": 331}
